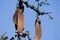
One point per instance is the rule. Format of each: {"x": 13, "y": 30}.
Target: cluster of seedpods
{"x": 18, "y": 20}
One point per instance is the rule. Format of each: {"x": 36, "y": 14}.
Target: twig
{"x": 35, "y": 9}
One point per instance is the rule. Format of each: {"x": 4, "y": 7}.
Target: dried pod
{"x": 38, "y": 30}
{"x": 18, "y": 19}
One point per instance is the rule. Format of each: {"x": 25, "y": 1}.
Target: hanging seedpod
{"x": 38, "y": 30}
{"x": 18, "y": 19}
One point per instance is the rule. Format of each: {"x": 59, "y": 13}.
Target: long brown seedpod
{"x": 38, "y": 31}
{"x": 18, "y": 18}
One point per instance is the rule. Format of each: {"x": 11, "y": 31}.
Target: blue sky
{"x": 50, "y": 28}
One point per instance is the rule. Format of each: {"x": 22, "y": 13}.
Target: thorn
{"x": 48, "y": 4}
{"x": 15, "y": 35}
{"x": 36, "y": 0}
{"x": 12, "y": 38}
{"x": 6, "y": 37}
{"x": 50, "y": 17}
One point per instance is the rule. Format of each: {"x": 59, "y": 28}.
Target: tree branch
{"x": 35, "y": 9}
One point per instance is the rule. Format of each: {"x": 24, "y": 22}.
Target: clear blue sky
{"x": 50, "y": 28}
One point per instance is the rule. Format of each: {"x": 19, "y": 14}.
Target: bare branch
{"x": 35, "y": 9}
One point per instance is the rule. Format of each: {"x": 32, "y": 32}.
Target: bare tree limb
{"x": 35, "y": 9}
